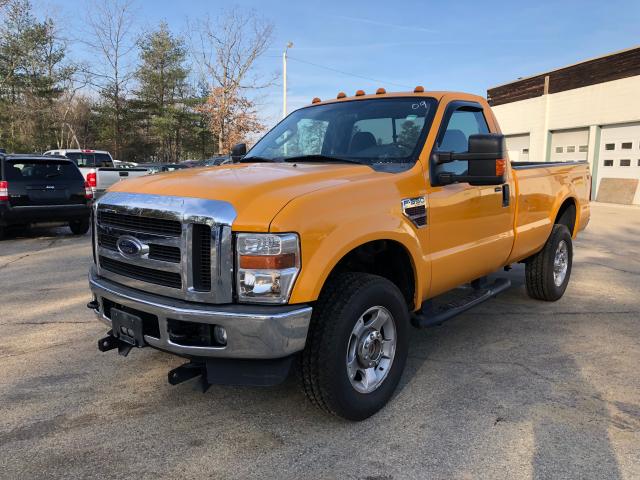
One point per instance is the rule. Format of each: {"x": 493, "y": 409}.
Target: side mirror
{"x": 485, "y": 154}
{"x": 238, "y": 151}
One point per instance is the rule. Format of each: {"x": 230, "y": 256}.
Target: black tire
{"x": 325, "y": 381}
{"x": 79, "y": 227}
{"x": 539, "y": 268}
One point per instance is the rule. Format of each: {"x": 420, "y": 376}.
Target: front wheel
{"x": 79, "y": 227}
{"x": 357, "y": 345}
{"x": 548, "y": 271}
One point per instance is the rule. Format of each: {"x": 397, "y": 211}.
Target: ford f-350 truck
{"x": 326, "y": 242}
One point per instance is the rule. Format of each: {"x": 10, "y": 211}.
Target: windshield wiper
{"x": 321, "y": 158}
{"x": 258, "y": 159}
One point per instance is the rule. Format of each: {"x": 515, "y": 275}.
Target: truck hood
{"x": 257, "y": 191}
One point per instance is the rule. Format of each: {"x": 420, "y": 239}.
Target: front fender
{"x": 333, "y": 222}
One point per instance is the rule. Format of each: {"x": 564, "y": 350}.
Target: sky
{"x": 461, "y": 45}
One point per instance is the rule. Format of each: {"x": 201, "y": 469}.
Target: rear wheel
{"x": 357, "y": 345}
{"x": 79, "y": 227}
{"x": 548, "y": 271}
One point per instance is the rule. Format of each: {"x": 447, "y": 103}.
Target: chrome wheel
{"x": 560, "y": 263}
{"x": 371, "y": 348}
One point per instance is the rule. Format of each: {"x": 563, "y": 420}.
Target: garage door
{"x": 569, "y": 145}
{"x": 620, "y": 153}
{"x": 518, "y": 147}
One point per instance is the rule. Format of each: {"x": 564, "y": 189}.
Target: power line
{"x": 347, "y": 73}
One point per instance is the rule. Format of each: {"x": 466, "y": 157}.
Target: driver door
{"x": 470, "y": 230}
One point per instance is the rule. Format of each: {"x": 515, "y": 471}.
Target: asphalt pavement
{"x": 515, "y": 388}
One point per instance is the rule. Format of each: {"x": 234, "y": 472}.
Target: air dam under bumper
{"x": 253, "y": 332}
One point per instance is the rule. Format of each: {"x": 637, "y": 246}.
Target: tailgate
{"x": 108, "y": 176}
{"x": 44, "y": 182}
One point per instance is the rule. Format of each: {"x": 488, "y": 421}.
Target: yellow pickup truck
{"x": 325, "y": 243}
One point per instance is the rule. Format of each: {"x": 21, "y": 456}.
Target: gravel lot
{"x": 513, "y": 389}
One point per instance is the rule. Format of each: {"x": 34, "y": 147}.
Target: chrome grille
{"x": 134, "y": 223}
{"x": 158, "y": 277}
{"x": 183, "y": 245}
{"x": 156, "y": 252}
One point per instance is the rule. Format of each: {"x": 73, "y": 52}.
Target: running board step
{"x": 431, "y": 315}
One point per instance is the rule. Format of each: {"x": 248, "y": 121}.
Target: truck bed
{"x": 539, "y": 187}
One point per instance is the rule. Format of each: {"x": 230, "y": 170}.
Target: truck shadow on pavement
{"x": 506, "y": 385}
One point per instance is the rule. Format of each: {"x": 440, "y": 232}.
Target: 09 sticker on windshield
{"x": 418, "y": 105}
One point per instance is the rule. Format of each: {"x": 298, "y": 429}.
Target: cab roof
{"x": 360, "y": 95}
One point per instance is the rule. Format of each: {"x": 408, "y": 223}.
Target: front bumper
{"x": 254, "y": 332}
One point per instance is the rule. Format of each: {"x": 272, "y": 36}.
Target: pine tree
{"x": 163, "y": 91}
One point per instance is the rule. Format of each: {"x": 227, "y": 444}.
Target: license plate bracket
{"x": 127, "y": 327}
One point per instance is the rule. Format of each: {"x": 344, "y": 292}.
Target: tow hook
{"x": 93, "y": 305}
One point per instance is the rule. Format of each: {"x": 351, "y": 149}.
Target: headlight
{"x": 267, "y": 266}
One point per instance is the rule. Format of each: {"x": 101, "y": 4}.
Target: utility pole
{"x": 284, "y": 79}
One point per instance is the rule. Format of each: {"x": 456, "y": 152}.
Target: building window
{"x": 626, "y": 145}
{"x": 583, "y": 148}
{"x": 608, "y": 163}
{"x": 525, "y": 150}
{"x": 609, "y": 146}
{"x": 558, "y": 149}
{"x": 625, "y": 163}
{"x": 571, "y": 149}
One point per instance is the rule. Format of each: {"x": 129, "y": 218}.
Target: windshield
{"x": 383, "y": 133}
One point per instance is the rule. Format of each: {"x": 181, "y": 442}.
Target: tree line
{"x": 155, "y": 96}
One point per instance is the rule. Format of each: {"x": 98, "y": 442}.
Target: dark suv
{"x": 37, "y": 189}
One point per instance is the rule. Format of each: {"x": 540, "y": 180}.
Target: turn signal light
{"x": 268, "y": 262}
{"x": 501, "y": 166}
{"x": 4, "y": 191}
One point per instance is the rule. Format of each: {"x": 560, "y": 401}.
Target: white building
{"x": 586, "y": 111}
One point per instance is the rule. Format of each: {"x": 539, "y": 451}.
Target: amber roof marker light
{"x": 316, "y": 100}
{"x": 341, "y": 95}
{"x": 359, "y": 93}
{"x": 381, "y": 91}
{"x": 418, "y": 89}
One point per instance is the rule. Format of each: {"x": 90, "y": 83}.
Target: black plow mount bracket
{"x": 212, "y": 371}
{"x": 110, "y": 342}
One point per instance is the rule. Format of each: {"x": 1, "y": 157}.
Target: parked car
{"x": 191, "y": 163}
{"x": 35, "y": 189}
{"x": 334, "y": 235}
{"x": 121, "y": 164}
{"x": 98, "y": 168}
{"x": 154, "y": 168}
{"x": 216, "y": 161}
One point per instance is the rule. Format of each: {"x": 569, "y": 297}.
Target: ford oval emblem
{"x": 131, "y": 247}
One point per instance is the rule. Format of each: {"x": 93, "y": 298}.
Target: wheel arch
{"x": 391, "y": 256}
{"x": 566, "y": 214}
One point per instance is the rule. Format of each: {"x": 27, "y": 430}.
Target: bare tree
{"x": 226, "y": 50}
{"x": 111, "y": 36}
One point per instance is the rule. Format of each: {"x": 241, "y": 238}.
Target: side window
{"x": 463, "y": 122}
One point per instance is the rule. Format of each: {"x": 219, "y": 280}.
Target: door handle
{"x": 497, "y": 189}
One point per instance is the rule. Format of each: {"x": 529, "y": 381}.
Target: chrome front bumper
{"x": 254, "y": 332}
